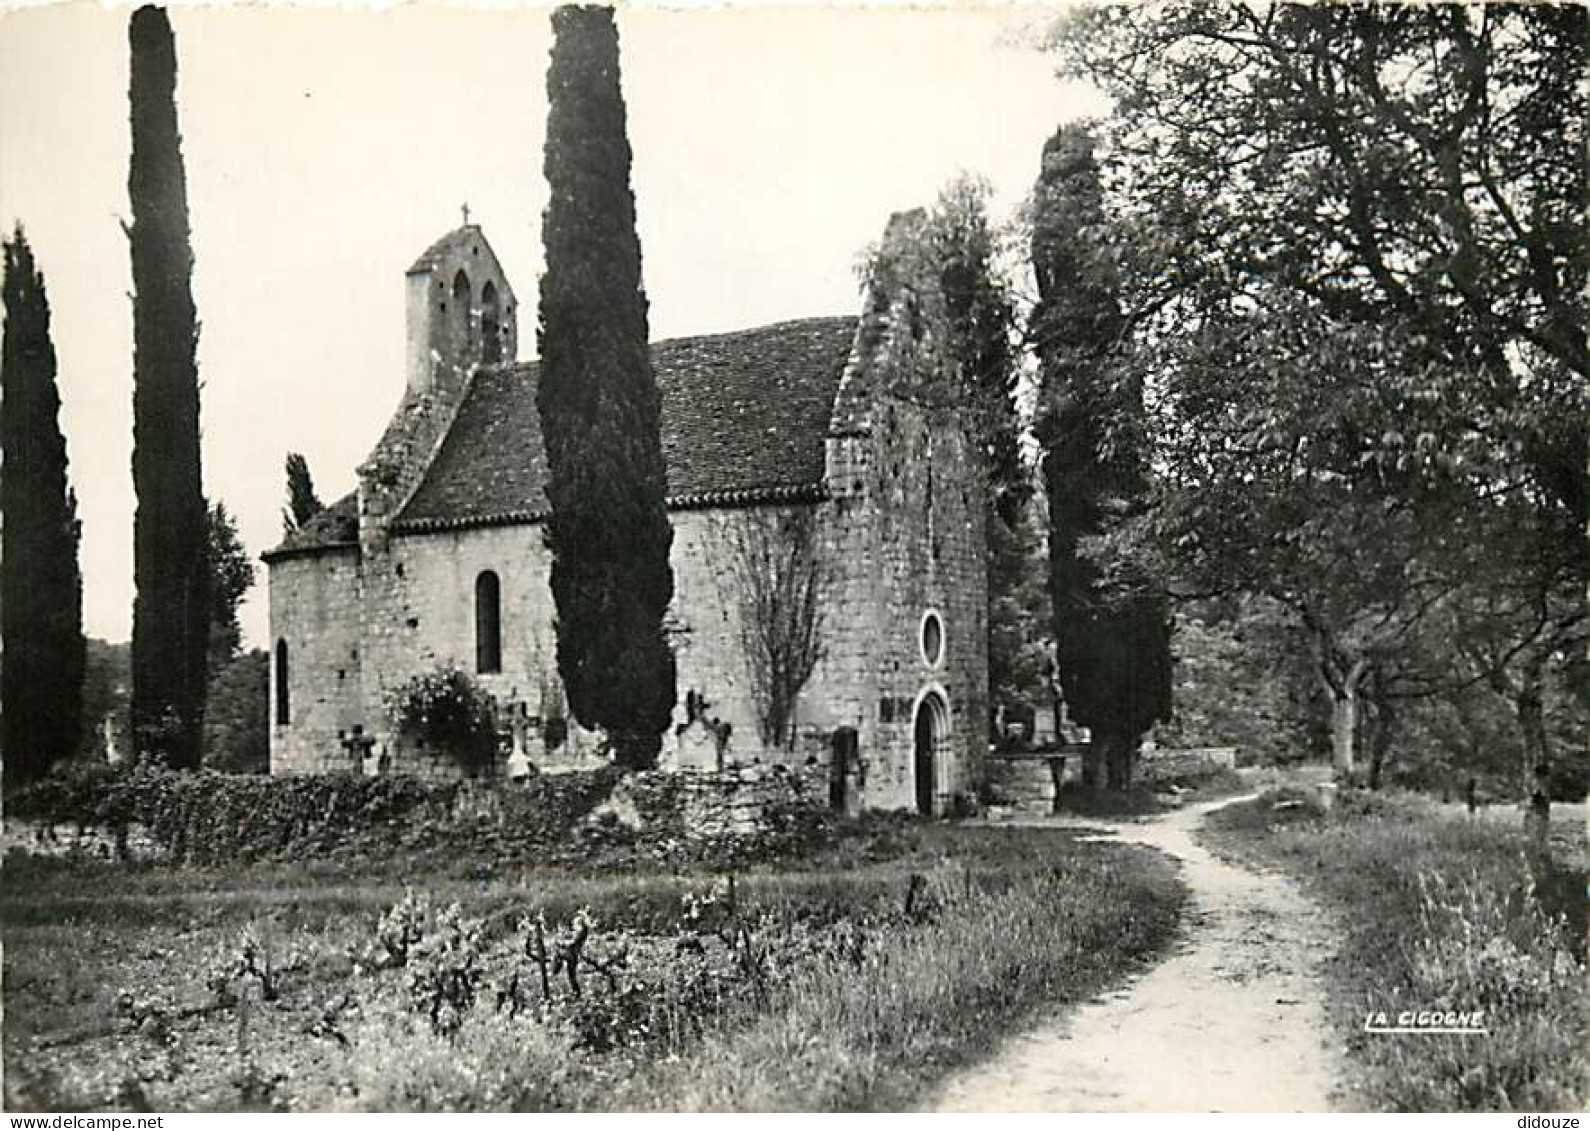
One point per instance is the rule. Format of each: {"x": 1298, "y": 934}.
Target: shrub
{"x": 447, "y": 711}
{"x": 444, "y": 971}
{"x": 400, "y": 929}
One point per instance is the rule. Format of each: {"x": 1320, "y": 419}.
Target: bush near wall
{"x": 605, "y": 816}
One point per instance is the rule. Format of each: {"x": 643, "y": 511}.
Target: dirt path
{"x": 1233, "y": 1021}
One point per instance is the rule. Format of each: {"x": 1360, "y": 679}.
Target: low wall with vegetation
{"x": 1025, "y": 782}
{"x": 210, "y": 818}
{"x": 1184, "y": 764}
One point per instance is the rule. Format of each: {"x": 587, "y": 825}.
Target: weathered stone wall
{"x": 314, "y": 608}
{"x": 1026, "y": 785}
{"x": 713, "y": 805}
{"x": 906, "y": 534}
{"x": 929, "y": 558}
{"x": 707, "y": 617}
{"x": 419, "y": 612}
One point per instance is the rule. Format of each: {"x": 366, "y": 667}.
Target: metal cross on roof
{"x": 464, "y": 208}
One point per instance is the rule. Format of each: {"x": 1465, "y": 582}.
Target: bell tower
{"x": 461, "y": 312}
{"x": 461, "y": 315}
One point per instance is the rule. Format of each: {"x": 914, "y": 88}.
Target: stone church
{"x": 811, "y": 429}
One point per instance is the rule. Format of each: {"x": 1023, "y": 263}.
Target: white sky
{"x": 326, "y": 148}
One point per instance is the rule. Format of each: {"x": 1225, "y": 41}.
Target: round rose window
{"x": 932, "y": 639}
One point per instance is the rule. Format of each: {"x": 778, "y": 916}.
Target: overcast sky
{"x": 326, "y": 148}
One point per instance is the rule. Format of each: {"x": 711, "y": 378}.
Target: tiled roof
{"x": 337, "y": 525}
{"x": 744, "y": 418}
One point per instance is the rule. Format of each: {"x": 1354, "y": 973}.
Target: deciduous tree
{"x": 231, "y": 577}
{"x": 778, "y": 584}
{"x": 1352, "y": 276}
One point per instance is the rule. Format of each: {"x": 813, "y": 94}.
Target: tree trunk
{"x": 1112, "y": 757}
{"x": 1344, "y": 681}
{"x": 1123, "y": 757}
{"x": 1537, "y": 755}
{"x": 1344, "y": 730}
{"x": 1094, "y": 762}
{"x": 1385, "y": 725}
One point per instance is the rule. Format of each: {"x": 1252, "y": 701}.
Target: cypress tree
{"x": 171, "y": 612}
{"x": 42, "y": 653}
{"x": 608, "y": 532}
{"x": 302, "y": 502}
{"x": 1112, "y": 641}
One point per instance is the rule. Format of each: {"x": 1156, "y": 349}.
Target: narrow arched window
{"x": 284, "y": 710}
{"x": 490, "y": 325}
{"x": 461, "y": 309}
{"x": 488, "y": 623}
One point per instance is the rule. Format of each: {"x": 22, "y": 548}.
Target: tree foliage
{"x": 1020, "y": 623}
{"x": 449, "y": 712}
{"x": 1351, "y": 257}
{"x": 302, "y": 502}
{"x": 1243, "y": 677}
{"x": 600, "y": 409}
{"x": 171, "y": 612}
{"x": 1112, "y": 639}
{"x": 237, "y": 715}
{"x": 231, "y": 577}
{"x": 41, "y": 587}
{"x": 981, "y": 314}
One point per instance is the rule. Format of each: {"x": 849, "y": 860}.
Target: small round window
{"x": 932, "y": 639}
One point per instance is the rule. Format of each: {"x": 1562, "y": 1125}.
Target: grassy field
{"x": 852, "y": 978}
{"x": 1438, "y": 911}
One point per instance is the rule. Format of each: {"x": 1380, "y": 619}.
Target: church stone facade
{"x": 817, "y": 426}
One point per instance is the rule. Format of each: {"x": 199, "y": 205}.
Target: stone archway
{"x": 929, "y": 732}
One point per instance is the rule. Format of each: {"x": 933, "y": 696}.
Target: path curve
{"x": 1234, "y": 1020}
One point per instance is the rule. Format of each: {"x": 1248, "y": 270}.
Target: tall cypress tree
{"x": 609, "y": 532}
{"x": 41, "y": 590}
{"x": 302, "y": 502}
{"x": 171, "y": 613}
{"x": 1112, "y": 641}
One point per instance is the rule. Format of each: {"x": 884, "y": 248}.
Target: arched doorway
{"x": 928, "y": 734}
